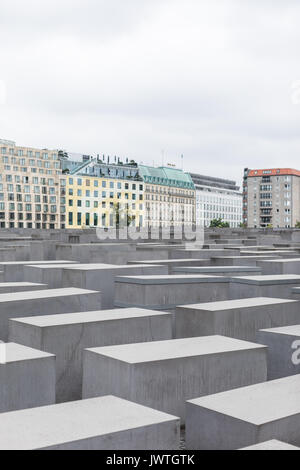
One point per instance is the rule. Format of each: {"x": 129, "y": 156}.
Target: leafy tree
{"x": 218, "y": 223}
{"x": 297, "y": 224}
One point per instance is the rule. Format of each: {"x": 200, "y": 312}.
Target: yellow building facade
{"x": 103, "y": 202}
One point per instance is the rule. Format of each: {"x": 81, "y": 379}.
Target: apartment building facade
{"x": 32, "y": 188}
{"x": 104, "y": 202}
{"x": 102, "y": 194}
{"x": 271, "y": 198}
{"x": 99, "y": 192}
{"x": 169, "y": 197}
{"x": 217, "y": 198}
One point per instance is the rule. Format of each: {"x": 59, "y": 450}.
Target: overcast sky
{"x": 215, "y": 80}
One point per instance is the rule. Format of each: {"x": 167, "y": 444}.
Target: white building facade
{"x": 217, "y": 199}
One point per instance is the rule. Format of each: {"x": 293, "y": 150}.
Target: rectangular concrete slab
{"x": 281, "y": 253}
{"x": 66, "y": 336}
{"x": 280, "y": 266}
{"x": 14, "y": 270}
{"x": 239, "y": 260}
{"x": 245, "y": 416}
{"x": 102, "y": 278}
{"x": 7, "y": 287}
{"x": 283, "y": 350}
{"x": 50, "y": 274}
{"x": 166, "y": 292}
{"x": 45, "y": 302}
{"x": 219, "y": 270}
{"x": 27, "y": 377}
{"x": 172, "y": 264}
{"x": 106, "y": 423}
{"x": 279, "y": 286}
{"x": 164, "y": 374}
{"x": 272, "y": 445}
{"x": 240, "y": 318}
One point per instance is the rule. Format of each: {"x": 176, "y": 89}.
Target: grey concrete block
{"x": 278, "y": 253}
{"x": 219, "y": 270}
{"x": 102, "y": 277}
{"x": 239, "y": 260}
{"x": 66, "y": 336}
{"x": 166, "y": 292}
{"x": 14, "y": 270}
{"x": 45, "y": 302}
{"x": 27, "y": 377}
{"x": 282, "y": 266}
{"x": 7, "y": 254}
{"x": 241, "y": 318}
{"x": 199, "y": 253}
{"x": 245, "y": 416}
{"x": 173, "y": 264}
{"x": 164, "y": 374}
{"x": 283, "y": 350}
{"x": 106, "y": 423}
{"x": 6, "y": 287}
{"x": 278, "y": 286}
{"x": 50, "y": 274}
{"x": 272, "y": 445}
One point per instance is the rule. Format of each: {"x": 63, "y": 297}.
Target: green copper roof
{"x": 166, "y": 176}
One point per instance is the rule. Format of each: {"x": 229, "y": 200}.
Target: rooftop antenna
{"x": 182, "y": 158}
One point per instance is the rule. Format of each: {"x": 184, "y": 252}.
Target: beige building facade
{"x": 170, "y": 197}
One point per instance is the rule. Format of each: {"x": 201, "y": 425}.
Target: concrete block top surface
{"x": 239, "y": 303}
{"x": 168, "y": 261}
{"x": 21, "y": 284}
{"x": 244, "y": 257}
{"x": 257, "y": 404}
{"x": 269, "y": 252}
{"x": 43, "y": 294}
{"x": 268, "y": 280}
{"x": 16, "y": 353}
{"x": 12, "y": 263}
{"x": 50, "y": 266}
{"x": 74, "y": 421}
{"x": 149, "y": 246}
{"x": 285, "y": 260}
{"x": 89, "y": 317}
{"x": 173, "y": 279}
{"x": 272, "y": 445}
{"x": 100, "y": 266}
{"x": 218, "y": 269}
{"x": 293, "y": 330}
{"x": 174, "y": 349}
